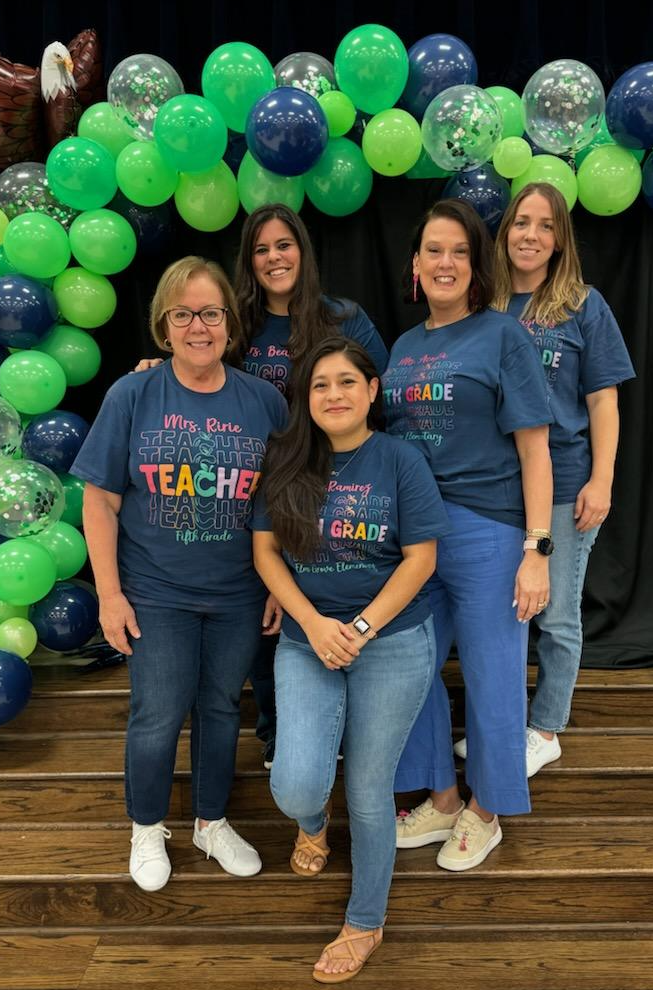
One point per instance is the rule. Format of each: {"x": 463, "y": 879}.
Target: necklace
{"x": 336, "y": 474}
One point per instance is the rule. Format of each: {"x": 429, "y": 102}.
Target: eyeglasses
{"x": 211, "y": 316}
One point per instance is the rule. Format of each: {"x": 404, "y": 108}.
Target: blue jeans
{"x": 186, "y": 661}
{"x": 561, "y": 629}
{"x": 262, "y": 680}
{"x": 471, "y": 596}
{"x": 371, "y": 707}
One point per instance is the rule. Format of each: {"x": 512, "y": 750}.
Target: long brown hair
{"x": 298, "y": 461}
{"x": 563, "y": 291}
{"x": 311, "y": 318}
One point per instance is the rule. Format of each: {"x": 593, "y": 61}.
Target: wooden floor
{"x": 564, "y": 903}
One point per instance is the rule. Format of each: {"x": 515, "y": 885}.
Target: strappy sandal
{"x": 310, "y": 844}
{"x": 322, "y": 977}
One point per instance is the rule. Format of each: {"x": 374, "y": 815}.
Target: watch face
{"x": 362, "y": 626}
{"x": 545, "y": 546}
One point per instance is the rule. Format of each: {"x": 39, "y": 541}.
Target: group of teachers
{"x": 282, "y": 485}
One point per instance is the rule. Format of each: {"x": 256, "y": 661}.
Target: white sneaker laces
{"x": 147, "y": 842}
{"x": 220, "y": 834}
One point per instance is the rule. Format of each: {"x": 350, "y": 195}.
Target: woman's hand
{"x": 146, "y": 363}
{"x": 272, "y": 616}
{"x": 333, "y": 641}
{"x": 592, "y": 505}
{"x": 531, "y": 585}
{"x": 116, "y": 616}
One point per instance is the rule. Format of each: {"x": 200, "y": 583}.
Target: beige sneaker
{"x": 425, "y": 824}
{"x": 470, "y": 842}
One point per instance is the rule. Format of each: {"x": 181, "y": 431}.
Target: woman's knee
{"x": 297, "y": 795}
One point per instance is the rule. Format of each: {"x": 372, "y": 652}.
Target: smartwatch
{"x": 362, "y": 626}
{"x": 543, "y": 545}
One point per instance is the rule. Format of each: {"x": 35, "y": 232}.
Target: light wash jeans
{"x": 561, "y": 631}
{"x": 371, "y": 706}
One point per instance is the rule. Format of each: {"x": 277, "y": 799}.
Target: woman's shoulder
{"x": 402, "y": 451}
{"x": 134, "y": 383}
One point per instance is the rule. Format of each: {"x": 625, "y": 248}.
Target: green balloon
{"x": 341, "y": 181}
{"x": 548, "y": 168}
{"x": 6, "y": 267}
{"x": 257, "y": 186}
{"x": 101, "y": 123}
{"x": 75, "y": 350}
{"x": 609, "y": 181}
{"x": 27, "y": 572}
{"x": 512, "y": 156}
{"x": 234, "y": 77}
{"x": 8, "y": 611}
{"x": 371, "y": 66}
{"x": 512, "y": 110}
{"x": 143, "y": 176}
{"x": 67, "y": 547}
{"x": 18, "y": 636}
{"x": 32, "y": 382}
{"x": 602, "y": 136}
{"x": 4, "y": 221}
{"x": 190, "y": 133}
{"x": 81, "y": 173}
{"x": 425, "y": 168}
{"x": 392, "y": 142}
{"x": 208, "y": 200}
{"x": 84, "y": 298}
{"x": 37, "y": 245}
{"x": 73, "y": 489}
{"x": 339, "y": 111}
{"x": 102, "y": 241}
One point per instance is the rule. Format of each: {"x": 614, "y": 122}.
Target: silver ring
{"x": 542, "y": 604}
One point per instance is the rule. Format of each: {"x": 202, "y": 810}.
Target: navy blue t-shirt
{"x": 580, "y": 356}
{"x": 268, "y": 355}
{"x": 459, "y": 393}
{"x": 186, "y": 464}
{"x": 379, "y": 500}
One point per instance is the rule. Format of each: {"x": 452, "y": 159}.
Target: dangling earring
{"x": 415, "y": 281}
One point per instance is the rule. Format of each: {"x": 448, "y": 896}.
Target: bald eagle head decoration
{"x": 56, "y": 71}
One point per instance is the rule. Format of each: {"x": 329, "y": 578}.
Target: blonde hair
{"x": 563, "y": 291}
{"x": 174, "y": 281}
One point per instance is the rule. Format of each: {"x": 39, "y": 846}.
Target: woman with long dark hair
{"x": 345, "y": 537}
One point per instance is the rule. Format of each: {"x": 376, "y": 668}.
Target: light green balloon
{"x": 339, "y": 111}
{"x": 548, "y": 168}
{"x": 609, "y": 181}
{"x": 341, "y": 181}
{"x": 603, "y": 136}
{"x": 392, "y": 142}
{"x": 101, "y": 123}
{"x": 18, "y": 636}
{"x": 234, "y": 77}
{"x": 73, "y": 489}
{"x": 143, "y": 176}
{"x": 37, "y": 245}
{"x": 85, "y": 299}
{"x": 4, "y": 221}
{"x": 8, "y": 611}
{"x": 512, "y": 156}
{"x": 208, "y": 200}
{"x": 67, "y": 547}
{"x": 512, "y": 110}
{"x": 257, "y": 186}
{"x": 75, "y": 350}
{"x": 102, "y": 241}
{"x": 32, "y": 382}
{"x": 27, "y": 572}
{"x": 371, "y": 66}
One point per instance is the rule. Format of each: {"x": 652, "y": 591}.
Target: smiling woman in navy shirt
{"x": 466, "y": 388}
{"x": 345, "y": 539}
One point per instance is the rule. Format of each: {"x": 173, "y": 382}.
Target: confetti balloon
{"x": 461, "y": 128}
{"x": 31, "y": 498}
{"x": 308, "y": 71}
{"x": 24, "y": 188}
{"x": 563, "y": 102}
{"x": 138, "y": 87}
{"x": 11, "y": 430}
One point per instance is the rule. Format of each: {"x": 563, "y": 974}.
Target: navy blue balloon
{"x": 287, "y": 131}
{"x": 15, "y": 685}
{"x": 484, "y": 189}
{"x": 4, "y": 353}
{"x": 434, "y": 64}
{"x": 153, "y": 225}
{"x": 236, "y": 148}
{"x": 27, "y": 311}
{"x": 54, "y": 438}
{"x": 628, "y": 107}
{"x": 66, "y": 618}
{"x": 647, "y": 180}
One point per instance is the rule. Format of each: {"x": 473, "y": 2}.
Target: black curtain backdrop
{"x": 361, "y": 256}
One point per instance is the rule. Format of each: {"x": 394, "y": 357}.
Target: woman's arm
{"x": 532, "y": 580}
{"x": 594, "y": 499}
{"x": 101, "y": 510}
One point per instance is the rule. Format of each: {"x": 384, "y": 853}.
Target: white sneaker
{"x": 149, "y": 865}
{"x": 471, "y": 841}
{"x": 540, "y": 751}
{"x": 221, "y": 841}
{"x": 425, "y": 824}
{"x": 460, "y": 748}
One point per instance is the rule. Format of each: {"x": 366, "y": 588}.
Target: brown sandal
{"x": 310, "y": 844}
{"x": 322, "y": 977}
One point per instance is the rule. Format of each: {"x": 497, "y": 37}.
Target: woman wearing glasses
{"x": 171, "y": 463}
